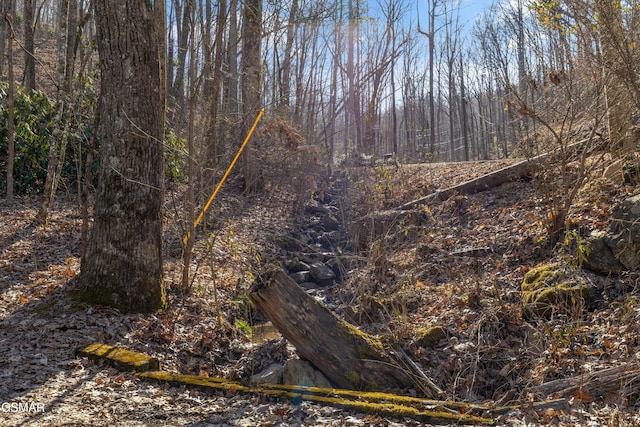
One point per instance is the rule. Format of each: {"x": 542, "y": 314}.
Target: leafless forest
{"x": 453, "y": 182}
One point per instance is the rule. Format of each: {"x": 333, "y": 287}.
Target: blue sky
{"x": 469, "y": 9}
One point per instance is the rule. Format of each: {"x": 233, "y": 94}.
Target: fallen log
{"x": 388, "y": 405}
{"x": 501, "y": 176}
{"x": 624, "y": 378}
{"x": 349, "y": 357}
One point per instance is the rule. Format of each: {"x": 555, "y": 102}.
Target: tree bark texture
{"x": 251, "y": 88}
{"x": 347, "y": 356}
{"x": 123, "y": 263}
{"x": 29, "y": 46}
{"x": 11, "y": 132}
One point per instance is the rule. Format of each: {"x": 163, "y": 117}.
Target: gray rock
{"x": 329, "y": 223}
{"x": 301, "y": 372}
{"x": 272, "y": 375}
{"x": 624, "y": 232}
{"x": 619, "y": 248}
{"x": 301, "y": 276}
{"x": 295, "y": 265}
{"x": 308, "y": 285}
{"x": 322, "y": 274}
{"x": 600, "y": 257}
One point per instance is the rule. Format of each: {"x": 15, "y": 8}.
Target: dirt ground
{"x": 424, "y": 279}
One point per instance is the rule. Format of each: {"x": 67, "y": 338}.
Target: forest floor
{"x": 462, "y": 271}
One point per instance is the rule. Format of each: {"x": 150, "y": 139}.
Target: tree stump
{"x": 347, "y": 356}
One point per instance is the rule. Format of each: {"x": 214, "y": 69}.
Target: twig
{"x": 432, "y": 386}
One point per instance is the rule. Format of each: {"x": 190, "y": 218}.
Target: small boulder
{"x": 308, "y": 285}
{"x": 600, "y": 256}
{"x": 295, "y": 265}
{"x": 301, "y": 276}
{"x": 619, "y": 248}
{"x": 272, "y": 375}
{"x": 329, "y": 223}
{"x": 625, "y": 232}
{"x": 302, "y": 373}
{"x": 547, "y": 290}
{"x": 429, "y": 337}
{"x": 321, "y": 273}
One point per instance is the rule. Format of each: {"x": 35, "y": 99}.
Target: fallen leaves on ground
{"x": 436, "y": 276}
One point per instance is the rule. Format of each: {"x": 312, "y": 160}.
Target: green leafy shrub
{"x": 34, "y": 113}
{"x": 175, "y": 157}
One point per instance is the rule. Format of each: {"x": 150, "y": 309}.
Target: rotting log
{"x": 349, "y": 357}
{"x": 501, "y": 176}
{"x": 119, "y": 358}
{"x": 429, "y": 411}
{"x": 624, "y": 379}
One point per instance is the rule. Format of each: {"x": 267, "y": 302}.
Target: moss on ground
{"x": 339, "y": 398}
{"x": 374, "y": 403}
{"x": 120, "y": 358}
{"x": 547, "y": 290}
{"x": 429, "y": 337}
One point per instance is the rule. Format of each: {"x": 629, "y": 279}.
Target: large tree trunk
{"x": 347, "y": 356}
{"x": 123, "y": 263}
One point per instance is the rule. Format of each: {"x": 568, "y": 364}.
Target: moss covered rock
{"x": 429, "y": 337}
{"x": 548, "y": 289}
{"x": 120, "y": 358}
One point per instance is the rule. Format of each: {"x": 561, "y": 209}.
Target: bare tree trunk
{"x": 183, "y": 29}
{"x": 285, "y": 84}
{"x": 160, "y": 23}
{"x": 231, "y": 92}
{"x": 213, "y": 146}
{"x": 4, "y": 24}
{"x": 11, "y": 133}
{"x": 463, "y": 112}
{"x": 251, "y": 87}
{"x": 29, "y": 46}
{"x": 394, "y": 112}
{"x": 191, "y": 202}
{"x": 333, "y": 105}
{"x": 67, "y": 48}
{"x": 433, "y": 143}
{"x": 170, "y": 65}
{"x": 87, "y": 182}
{"x": 123, "y": 263}
{"x": 352, "y": 106}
